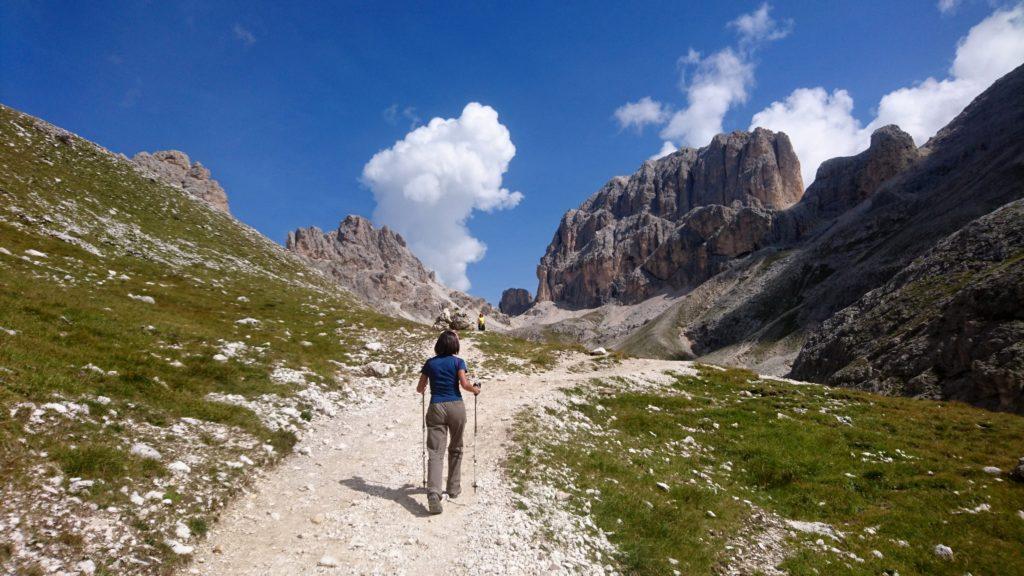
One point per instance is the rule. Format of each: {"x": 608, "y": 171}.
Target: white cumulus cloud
{"x": 821, "y": 124}
{"x": 429, "y": 183}
{"x": 641, "y": 113}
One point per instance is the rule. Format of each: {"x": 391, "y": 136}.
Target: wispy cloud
{"x": 712, "y": 84}
{"x": 243, "y": 34}
{"x": 759, "y": 26}
{"x": 948, "y": 6}
{"x": 131, "y": 96}
{"x": 392, "y": 114}
{"x": 641, "y": 113}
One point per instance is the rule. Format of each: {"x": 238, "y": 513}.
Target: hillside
{"x": 154, "y": 354}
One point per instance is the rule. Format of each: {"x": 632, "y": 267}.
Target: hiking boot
{"x": 453, "y": 495}
{"x": 434, "y": 504}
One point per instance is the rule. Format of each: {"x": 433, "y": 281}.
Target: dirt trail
{"x": 357, "y": 495}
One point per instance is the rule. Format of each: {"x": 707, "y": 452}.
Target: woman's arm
{"x": 464, "y": 382}
{"x": 422, "y": 384}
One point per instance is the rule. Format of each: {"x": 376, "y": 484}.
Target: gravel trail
{"x": 354, "y": 503}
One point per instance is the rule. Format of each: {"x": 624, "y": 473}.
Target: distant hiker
{"x": 480, "y": 324}
{"x": 446, "y": 374}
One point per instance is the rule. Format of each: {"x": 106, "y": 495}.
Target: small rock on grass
{"x": 145, "y": 451}
{"x": 992, "y": 470}
{"x": 943, "y": 551}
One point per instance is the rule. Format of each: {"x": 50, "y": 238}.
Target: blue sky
{"x": 287, "y": 104}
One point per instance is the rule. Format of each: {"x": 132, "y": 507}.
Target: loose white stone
{"x": 145, "y": 451}
{"x": 179, "y": 548}
{"x": 819, "y": 528}
{"x": 182, "y": 531}
{"x": 179, "y": 467}
{"x": 374, "y": 346}
{"x": 328, "y": 561}
{"x": 220, "y": 358}
{"x": 992, "y": 470}
{"x": 248, "y": 322}
{"x": 943, "y": 551}
{"x": 86, "y": 567}
{"x": 35, "y": 253}
{"x": 142, "y": 298}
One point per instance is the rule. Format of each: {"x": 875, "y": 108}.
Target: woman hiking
{"x": 446, "y": 374}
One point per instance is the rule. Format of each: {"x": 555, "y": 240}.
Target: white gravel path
{"x": 356, "y": 499}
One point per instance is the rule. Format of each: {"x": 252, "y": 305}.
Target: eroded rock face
{"x": 950, "y": 325}
{"x": 377, "y": 266}
{"x": 175, "y": 169}
{"x": 515, "y": 301}
{"x": 615, "y": 245}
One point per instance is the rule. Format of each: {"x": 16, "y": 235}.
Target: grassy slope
{"x": 72, "y": 308}
{"x": 904, "y": 468}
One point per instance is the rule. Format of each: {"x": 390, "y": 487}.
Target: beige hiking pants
{"x": 444, "y": 418}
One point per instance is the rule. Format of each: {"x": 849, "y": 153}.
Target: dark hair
{"x": 447, "y": 344}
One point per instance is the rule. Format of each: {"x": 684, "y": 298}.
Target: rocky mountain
{"x": 515, "y": 301}
{"x": 174, "y": 168}
{"x": 673, "y": 223}
{"x": 377, "y": 266}
{"x": 747, "y": 283}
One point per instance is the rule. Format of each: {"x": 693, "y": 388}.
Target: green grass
{"x": 511, "y": 354}
{"x": 903, "y": 468}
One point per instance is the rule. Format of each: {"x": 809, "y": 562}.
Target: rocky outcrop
{"x": 515, "y": 301}
{"x": 950, "y": 325}
{"x": 612, "y": 247}
{"x": 844, "y": 182}
{"x": 377, "y": 266}
{"x": 175, "y": 169}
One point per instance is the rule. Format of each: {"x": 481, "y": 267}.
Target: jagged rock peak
{"x": 515, "y": 301}
{"x": 357, "y": 240}
{"x": 600, "y": 250}
{"x": 376, "y": 265}
{"x": 842, "y": 183}
{"x": 174, "y": 168}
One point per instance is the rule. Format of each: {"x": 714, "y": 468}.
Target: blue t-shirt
{"x": 443, "y": 372}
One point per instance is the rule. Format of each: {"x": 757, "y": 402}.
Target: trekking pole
{"x": 475, "y": 484}
{"x": 423, "y": 424}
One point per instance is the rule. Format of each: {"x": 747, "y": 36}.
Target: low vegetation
{"x": 893, "y": 477}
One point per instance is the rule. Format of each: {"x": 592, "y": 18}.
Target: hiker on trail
{"x": 480, "y": 324}
{"x": 446, "y": 374}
